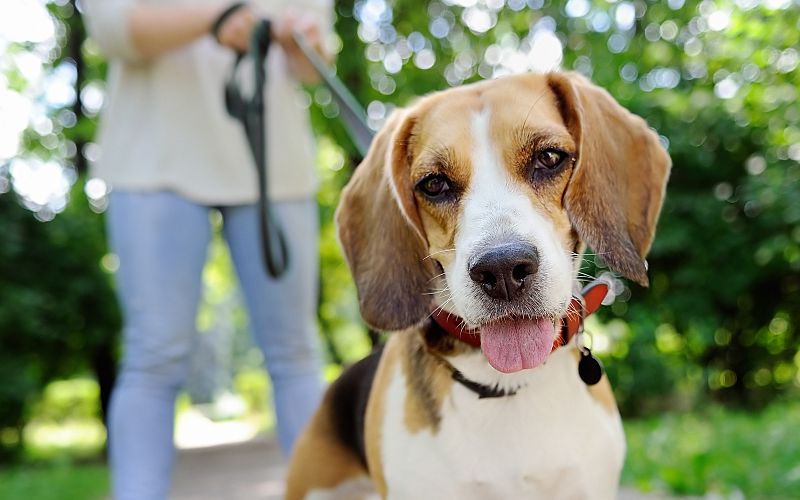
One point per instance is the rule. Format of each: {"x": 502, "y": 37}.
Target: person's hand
{"x": 307, "y": 26}
{"x": 237, "y": 29}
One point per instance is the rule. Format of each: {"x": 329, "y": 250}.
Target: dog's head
{"x": 480, "y": 199}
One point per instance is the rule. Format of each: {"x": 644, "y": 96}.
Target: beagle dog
{"x": 476, "y": 203}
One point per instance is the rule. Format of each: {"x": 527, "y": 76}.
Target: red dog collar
{"x": 581, "y": 306}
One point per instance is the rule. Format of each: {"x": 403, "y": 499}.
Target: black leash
{"x": 352, "y": 114}
{"x": 250, "y": 111}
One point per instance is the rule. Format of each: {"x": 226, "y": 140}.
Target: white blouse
{"x": 165, "y": 127}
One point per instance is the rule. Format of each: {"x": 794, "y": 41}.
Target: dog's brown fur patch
{"x": 428, "y": 382}
{"x": 320, "y": 460}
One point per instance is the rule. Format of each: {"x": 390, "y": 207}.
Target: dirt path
{"x": 254, "y": 470}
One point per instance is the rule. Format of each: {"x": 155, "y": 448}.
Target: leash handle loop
{"x": 224, "y": 15}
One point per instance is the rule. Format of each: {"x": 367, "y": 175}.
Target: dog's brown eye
{"x": 434, "y": 186}
{"x": 550, "y": 158}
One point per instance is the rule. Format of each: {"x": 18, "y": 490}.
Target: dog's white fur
{"x": 584, "y": 442}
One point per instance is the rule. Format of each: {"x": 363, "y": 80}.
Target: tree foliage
{"x": 58, "y": 315}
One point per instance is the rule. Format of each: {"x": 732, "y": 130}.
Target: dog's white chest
{"x": 551, "y": 440}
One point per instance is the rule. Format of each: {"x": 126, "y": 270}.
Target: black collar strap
{"x": 482, "y": 390}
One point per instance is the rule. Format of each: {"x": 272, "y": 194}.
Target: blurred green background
{"x": 705, "y": 363}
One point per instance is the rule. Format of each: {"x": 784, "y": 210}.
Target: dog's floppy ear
{"x": 382, "y": 235}
{"x": 617, "y": 186}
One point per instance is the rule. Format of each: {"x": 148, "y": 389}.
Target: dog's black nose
{"x": 503, "y": 271}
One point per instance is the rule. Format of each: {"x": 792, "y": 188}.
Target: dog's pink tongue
{"x": 514, "y": 345}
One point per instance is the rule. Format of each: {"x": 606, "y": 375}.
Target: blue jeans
{"x": 161, "y": 241}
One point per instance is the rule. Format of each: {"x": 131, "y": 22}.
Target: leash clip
{"x": 580, "y": 340}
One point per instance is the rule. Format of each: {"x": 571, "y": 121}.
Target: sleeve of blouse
{"x": 107, "y": 23}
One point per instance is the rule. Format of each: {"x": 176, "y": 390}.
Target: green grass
{"x": 720, "y": 451}
{"x": 54, "y": 482}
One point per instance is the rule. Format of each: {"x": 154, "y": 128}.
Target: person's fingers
{"x": 311, "y": 30}
{"x": 283, "y": 29}
{"x": 307, "y": 26}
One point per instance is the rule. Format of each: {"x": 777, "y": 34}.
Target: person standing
{"x": 170, "y": 154}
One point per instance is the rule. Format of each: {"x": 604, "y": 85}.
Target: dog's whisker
{"x": 530, "y": 110}
{"x": 437, "y": 276}
{"x": 589, "y": 254}
{"x": 573, "y": 314}
{"x": 440, "y": 307}
{"x": 462, "y": 328}
{"x": 438, "y": 252}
